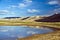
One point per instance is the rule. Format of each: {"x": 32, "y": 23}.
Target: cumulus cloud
{"x": 4, "y": 11}
{"x": 13, "y": 6}
{"x": 27, "y": 1}
{"x": 57, "y": 10}
{"x": 32, "y": 10}
{"x": 23, "y": 4}
{"x": 53, "y": 2}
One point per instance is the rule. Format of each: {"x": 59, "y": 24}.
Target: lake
{"x": 14, "y": 32}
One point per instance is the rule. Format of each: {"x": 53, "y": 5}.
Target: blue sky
{"x": 23, "y": 8}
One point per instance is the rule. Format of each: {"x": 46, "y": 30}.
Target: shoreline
{"x": 48, "y": 36}
{"x": 44, "y": 24}
{"x": 53, "y": 25}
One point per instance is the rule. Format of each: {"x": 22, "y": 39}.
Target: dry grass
{"x": 18, "y": 23}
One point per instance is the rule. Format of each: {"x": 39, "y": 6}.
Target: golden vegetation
{"x": 20, "y": 22}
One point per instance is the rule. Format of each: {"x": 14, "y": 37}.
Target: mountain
{"x": 32, "y": 18}
{"x": 11, "y": 17}
{"x": 54, "y": 18}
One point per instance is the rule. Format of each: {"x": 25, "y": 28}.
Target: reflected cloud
{"x": 19, "y": 36}
{"x": 31, "y": 32}
{"x": 4, "y": 30}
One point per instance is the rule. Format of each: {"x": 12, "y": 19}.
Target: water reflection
{"x": 14, "y": 32}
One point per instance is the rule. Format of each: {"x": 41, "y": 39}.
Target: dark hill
{"x": 53, "y": 18}
{"x": 11, "y": 17}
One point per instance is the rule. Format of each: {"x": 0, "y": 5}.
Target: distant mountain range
{"x": 52, "y": 18}
{"x": 32, "y": 18}
{"x": 11, "y": 17}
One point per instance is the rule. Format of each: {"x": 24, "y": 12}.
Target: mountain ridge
{"x": 52, "y": 18}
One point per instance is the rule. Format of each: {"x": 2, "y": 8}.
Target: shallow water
{"x": 14, "y": 32}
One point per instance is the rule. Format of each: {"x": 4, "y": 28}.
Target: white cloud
{"x": 32, "y": 10}
{"x": 25, "y": 3}
{"x": 28, "y": 1}
{"x": 57, "y": 10}
{"x": 13, "y": 6}
{"x": 53, "y": 2}
{"x": 22, "y": 5}
{"x": 4, "y": 11}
